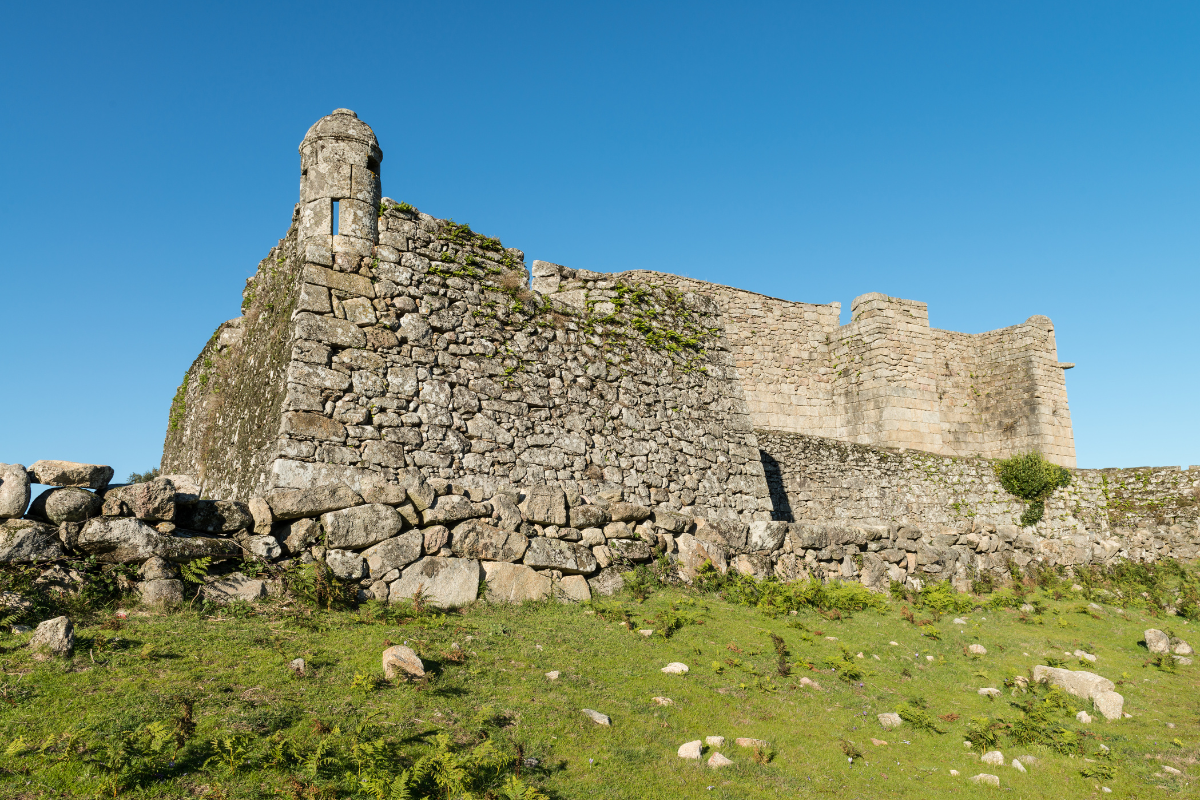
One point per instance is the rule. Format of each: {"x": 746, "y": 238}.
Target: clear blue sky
{"x": 993, "y": 160}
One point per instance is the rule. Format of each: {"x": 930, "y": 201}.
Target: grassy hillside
{"x": 201, "y": 702}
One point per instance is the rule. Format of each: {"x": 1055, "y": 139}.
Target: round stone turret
{"x": 339, "y": 185}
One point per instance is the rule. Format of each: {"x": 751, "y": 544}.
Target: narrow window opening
{"x": 373, "y": 165}
{"x": 335, "y": 217}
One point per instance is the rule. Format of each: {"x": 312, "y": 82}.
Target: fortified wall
{"x": 886, "y": 378}
{"x": 375, "y": 339}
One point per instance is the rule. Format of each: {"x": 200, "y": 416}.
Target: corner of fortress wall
{"x": 407, "y": 342}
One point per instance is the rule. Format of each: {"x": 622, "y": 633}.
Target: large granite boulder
{"x": 297, "y": 503}
{"x": 514, "y": 583}
{"x": 57, "y": 506}
{"x": 215, "y": 516}
{"x": 124, "y": 540}
{"x": 14, "y": 490}
{"x": 54, "y": 638}
{"x": 545, "y": 505}
{"x": 361, "y": 526}
{"x": 394, "y": 553}
{"x": 70, "y": 473}
{"x": 447, "y": 582}
{"x": 476, "y": 539}
{"x": 24, "y": 541}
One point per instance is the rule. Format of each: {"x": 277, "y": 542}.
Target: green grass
{"x": 186, "y": 704}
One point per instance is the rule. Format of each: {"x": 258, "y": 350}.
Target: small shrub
{"x": 144, "y": 477}
{"x": 1032, "y": 478}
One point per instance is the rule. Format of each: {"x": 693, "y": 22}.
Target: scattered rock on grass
{"x": 1018, "y": 766}
{"x": 1083, "y": 717}
{"x": 977, "y": 650}
{"x": 235, "y": 586}
{"x": 400, "y": 660}
{"x": 878, "y": 742}
{"x": 54, "y": 638}
{"x": 161, "y": 592}
{"x": 959, "y": 621}
{"x": 597, "y": 717}
{"x": 714, "y": 741}
{"x": 809, "y": 682}
{"x": 718, "y": 760}
{"x": 954, "y": 772}
{"x": 1157, "y": 641}
{"x": 1110, "y": 704}
{"x": 743, "y": 741}
{"x": 983, "y": 777}
{"x": 675, "y": 668}
{"x": 890, "y": 720}
{"x": 664, "y": 701}
{"x": 992, "y": 757}
{"x": 690, "y": 749}
{"x": 646, "y": 631}
{"x": 990, "y": 692}
{"x": 553, "y": 674}
{"x": 297, "y": 666}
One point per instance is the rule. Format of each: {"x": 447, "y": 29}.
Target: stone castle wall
{"x": 887, "y": 378}
{"x": 404, "y": 341}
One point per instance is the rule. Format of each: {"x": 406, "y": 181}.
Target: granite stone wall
{"x": 886, "y": 378}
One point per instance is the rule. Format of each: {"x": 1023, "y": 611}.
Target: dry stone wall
{"x": 887, "y": 378}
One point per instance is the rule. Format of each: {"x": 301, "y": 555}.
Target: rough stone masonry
{"x": 400, "y": 402}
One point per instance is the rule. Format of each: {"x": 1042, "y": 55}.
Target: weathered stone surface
{"x": 297, "y": 503}
{"x": 14, "y": 490}
{"x": 54, "y": 638}
{"x": 630, "y": 550}
{"x": 321, "y": 328}
{"x": 574, "y": 588}
{"x": 717, "y": 760}
{"x": 153, "y": 501}
{"x": 514, "y": 583}
{"x": 447, "y": 581}
{"x": 985, "y": 778}
{"x": 545, "y": 505}
{"x": 475, "y": 539}
{"x": 301, "y": 534}
{"x": 215, "y": 516}
{"x": 694, "y": 553}
{"x": 394, "y": 553}
{"x": 597, "y": 717}
{"x": 57, "y": 506}
{"x": 607, "y": 582}
{"x": 156, "y": 568}
{"x": 564, "y": 556}
{"x": 1109, "y": 703}
{"x": 124, "y": 540}
{"x": 450, "y": 509}
{"x": 346, "y": 564}
{"x": 260, "y": 510}
{"x": 691, "y": 749}
{"x": 70, "y": 473}
{"x": 994, "y": 757}
{"x": 390, "y": 495}
{"x": 977, "y": 650}
{"x": 400, "y": 661}
{"x": 1078, "y": 683}
{"x": 584, "y": 516}
{"x": 265, "y": 547}
{"x": 766, "y": 536}
{"x": 361, "y": 526}
{"x": 25, "y": 542}
{"x": 675, "y": 668}
{"x": 1157, "y": 641}
{"x": 714, "y": 741}
{"x": 161, "y": 592}
{"x": 628, "y": 512}
{"x": 890, "y": 720}
{"x": 235, "y": 586}
{"x": 436, "y": 538}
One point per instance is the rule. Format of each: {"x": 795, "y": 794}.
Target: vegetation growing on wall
{"x": 1032, "y": 478}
